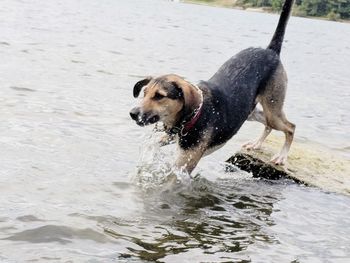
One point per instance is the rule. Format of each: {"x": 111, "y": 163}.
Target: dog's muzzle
{"x": 143, "y": 119}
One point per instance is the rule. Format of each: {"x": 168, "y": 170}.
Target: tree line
{"x": 332, "y": 9}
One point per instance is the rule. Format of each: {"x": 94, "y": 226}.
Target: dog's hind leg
{"x": 259, "y": 116}
{"x": 272, "y": 100}
{"x": 256, "y": 145}
{"x": 279, "y": 122}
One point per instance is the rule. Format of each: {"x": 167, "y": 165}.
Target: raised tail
{"x": 277, "y": 39}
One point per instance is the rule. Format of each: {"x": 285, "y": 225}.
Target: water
{"x": 73, "y": 187}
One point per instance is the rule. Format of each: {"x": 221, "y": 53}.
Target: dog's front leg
{"x": 188, "y": 159}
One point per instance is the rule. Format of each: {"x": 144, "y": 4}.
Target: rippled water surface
{"x": 80, "y": 182}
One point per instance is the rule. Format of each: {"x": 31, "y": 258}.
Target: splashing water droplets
{"x": 155, "y": 168}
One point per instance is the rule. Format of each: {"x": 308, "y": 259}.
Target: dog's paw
{"x": 251, "y": 146}
{"x": 166, "y": 139}
{"x": 279, "y": 159}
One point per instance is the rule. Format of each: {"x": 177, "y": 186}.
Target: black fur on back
{"x": 229, "y": 96}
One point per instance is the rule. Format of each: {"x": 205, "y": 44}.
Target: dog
{"x": 204, "y": 117}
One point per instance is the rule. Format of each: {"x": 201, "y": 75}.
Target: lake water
{"x": 80, "y": 182}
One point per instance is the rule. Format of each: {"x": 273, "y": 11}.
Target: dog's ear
{"x": 190, "y": 94}
{"x": 175, "y": 92}
{"x": 139, "y": 85}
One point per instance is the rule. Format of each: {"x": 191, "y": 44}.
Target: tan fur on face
{"x": 169, "y": 109}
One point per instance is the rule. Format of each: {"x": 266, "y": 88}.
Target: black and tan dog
{"x": 204, "y": 117}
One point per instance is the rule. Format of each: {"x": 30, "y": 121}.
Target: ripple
{"x": 22, "y": 89}
{"x": 115, "y": 52}
{"x": 29, "y": 218}
{"x": 55, "y": 233}
{"x": 104, "y": 72}
{"x": 78, "y": 61}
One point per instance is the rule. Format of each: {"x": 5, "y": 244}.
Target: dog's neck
{"x": 188, "y": 117}
{"x": 190, "y": 124}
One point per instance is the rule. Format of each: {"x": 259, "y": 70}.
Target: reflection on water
{"x": 213, "y": 217}
{"x": 80, "y": 182}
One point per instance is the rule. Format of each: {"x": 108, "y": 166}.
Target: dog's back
{"x": 235, "y": 86}
{"x": 243, "y": 76}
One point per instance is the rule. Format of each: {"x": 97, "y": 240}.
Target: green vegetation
{"x": 330, "y": 9}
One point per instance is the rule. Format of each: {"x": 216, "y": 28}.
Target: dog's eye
{"x": 158, "y": 96}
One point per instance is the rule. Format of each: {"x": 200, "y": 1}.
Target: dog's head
{"x": 165, "y": 99}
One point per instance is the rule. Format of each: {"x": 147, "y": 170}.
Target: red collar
{"x": 189, "y": 125}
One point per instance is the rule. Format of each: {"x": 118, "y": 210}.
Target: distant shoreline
{"x": 255, "y": 9}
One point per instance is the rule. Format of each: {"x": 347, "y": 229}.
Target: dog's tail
{"x": 277, "y": 39}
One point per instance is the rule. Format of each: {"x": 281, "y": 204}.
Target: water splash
{"x": 156, "y": 166}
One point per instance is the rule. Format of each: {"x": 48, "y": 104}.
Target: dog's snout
{"x": 134, "y": 113}
{"x": 143, "y": 119}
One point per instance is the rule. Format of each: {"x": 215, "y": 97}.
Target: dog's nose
{"x": 134, "y": 113}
